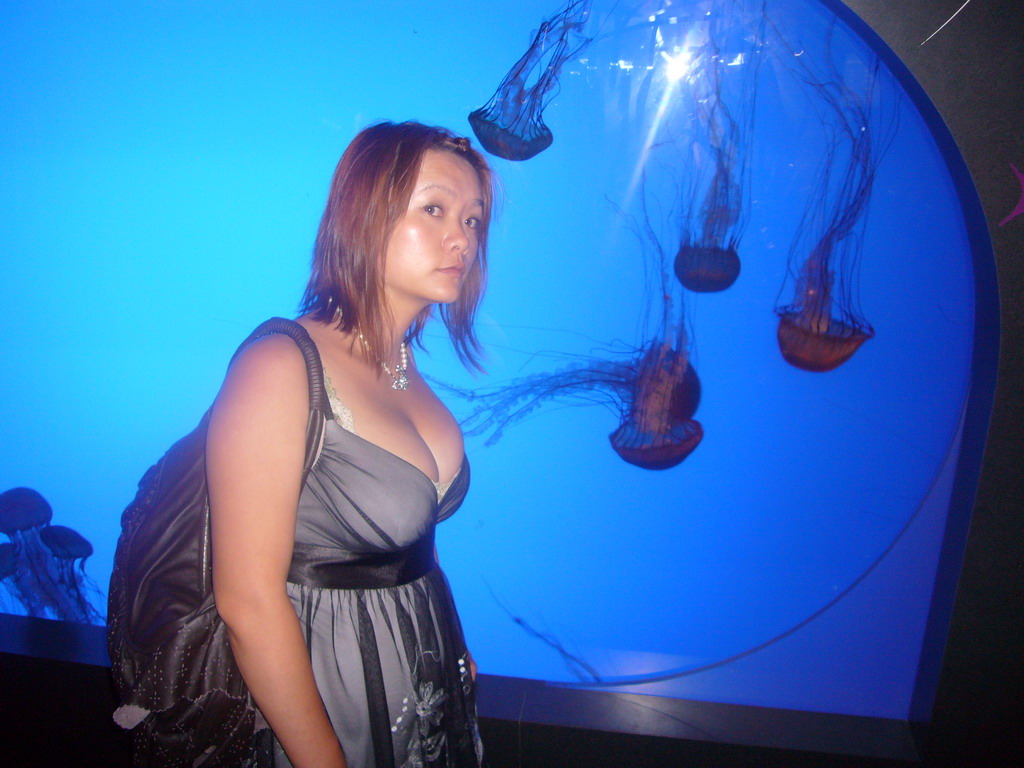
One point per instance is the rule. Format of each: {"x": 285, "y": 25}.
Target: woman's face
{"x": 434, "y": 244}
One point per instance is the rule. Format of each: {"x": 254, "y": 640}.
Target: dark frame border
{"x": 53, "y": 642}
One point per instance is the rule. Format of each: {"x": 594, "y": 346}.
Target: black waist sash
{"x": 321, "y": 567}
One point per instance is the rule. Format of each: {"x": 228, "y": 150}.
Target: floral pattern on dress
{"x": 427, "y": 740}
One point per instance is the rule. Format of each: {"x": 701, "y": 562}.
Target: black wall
{"x": 973, "y": 70}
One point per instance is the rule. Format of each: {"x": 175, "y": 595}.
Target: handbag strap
{"x": 319, "y": 405}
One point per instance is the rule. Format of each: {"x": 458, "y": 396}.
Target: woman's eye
{"x": 432, "y": 210}
{"x": 473, "y": 223}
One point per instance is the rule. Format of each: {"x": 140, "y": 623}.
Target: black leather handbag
{"x": 176, "y": 678}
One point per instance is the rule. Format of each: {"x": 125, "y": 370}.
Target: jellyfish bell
{"x": 818, "y": 345}
{"x": 659, "y": 431}
{"x": 21, "y": 509}
{"x": 707, "y": 268}
{"x": 662, "y": 450}
{"x": 65, "y": 543}
{"x": 513, "y": 142}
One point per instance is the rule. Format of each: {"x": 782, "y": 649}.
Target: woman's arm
{"x": 255, "y": 452}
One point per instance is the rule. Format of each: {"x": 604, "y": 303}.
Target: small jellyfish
{"x": 711, "y": 262}
{"x": 43, "y": 577}
{"x": 823, "y": 326}
{"x": 67, "y": 546}
{"x": 23, "y": 511}
{"x": 511, "y": 124}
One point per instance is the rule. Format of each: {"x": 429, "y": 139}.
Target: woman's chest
{"x": 362, "y": 498}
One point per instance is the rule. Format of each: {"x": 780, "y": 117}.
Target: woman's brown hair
{"x": 370, "y": 192}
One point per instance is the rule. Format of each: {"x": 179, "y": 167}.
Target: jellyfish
{"x": 67, "y": 546}
{"x": 810, "y": 335}
{"x": 511, "y": 123}
{"x": 659, "y": 431}
{"x": 823, "y": 326}
{"x": 718, "y": 86}
{"x": 23, "y": 511}
{"x": 41, "y": 568}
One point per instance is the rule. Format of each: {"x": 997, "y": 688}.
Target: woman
{"x": 364, "y": 675}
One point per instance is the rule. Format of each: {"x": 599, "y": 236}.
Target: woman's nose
{"x": 456, "y": 239}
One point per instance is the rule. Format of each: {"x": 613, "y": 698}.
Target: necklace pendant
{"x": 399, "y": 380}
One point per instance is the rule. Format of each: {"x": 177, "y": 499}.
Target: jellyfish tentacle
{"x": 578, "y": 666}
{"x": 498, "y": 407}
{"x": 25, "y": 581}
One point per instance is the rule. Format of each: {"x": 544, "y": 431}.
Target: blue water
{"x": 164, "y": 169}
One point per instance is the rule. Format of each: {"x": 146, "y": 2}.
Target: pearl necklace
{"x": 399, "y": 377}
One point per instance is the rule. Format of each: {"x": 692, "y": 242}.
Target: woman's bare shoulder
{"x": 270, "y": 351}
{"x": 269, "y": 372}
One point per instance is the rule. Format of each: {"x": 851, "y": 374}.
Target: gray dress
{"x": 390, "y": 661}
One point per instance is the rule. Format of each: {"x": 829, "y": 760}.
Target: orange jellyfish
{"x": 511, "y": 124}
{"x": 823, "y": 326}
{"x": 658, "y": 430}
{"x": 814, "y": 332}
